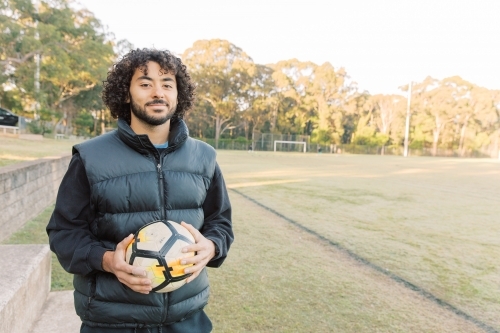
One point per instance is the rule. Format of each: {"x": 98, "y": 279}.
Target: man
{"x": 148, "y": 169}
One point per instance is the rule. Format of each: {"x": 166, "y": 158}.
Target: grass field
{"x": 14, "y": 150}
{"x": 432, "y": 222}
{"x": 354, "y": 243}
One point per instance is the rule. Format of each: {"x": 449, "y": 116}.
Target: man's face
{"x": 153, "y": 97}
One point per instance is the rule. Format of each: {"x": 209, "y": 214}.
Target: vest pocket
{"x": 109, "y": 289}
{"x": 90, "y": 297}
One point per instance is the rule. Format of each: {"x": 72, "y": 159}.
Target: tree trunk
{"x": 246, "y": 127}
{"x": 435, "y": 139}
{"x": 57, "y": 125}
{"x": 103, "y": 125}
{"x": 436, "y": 132}
{"x": 274, "y": 117}
{"x": 461, "y": 147}
{"x": 217, "y": 130}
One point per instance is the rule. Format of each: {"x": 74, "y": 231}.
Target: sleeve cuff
{"x": 95, "y": 258}
{"x": 219, "y": 257}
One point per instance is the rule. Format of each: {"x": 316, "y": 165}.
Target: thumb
{"x": 124, "y": 243}
{"x": 192, "y": 230}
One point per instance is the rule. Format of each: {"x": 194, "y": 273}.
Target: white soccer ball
{"x": 156, "y": 247}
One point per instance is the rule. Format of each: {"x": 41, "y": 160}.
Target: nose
{"x": 158, "y": 93}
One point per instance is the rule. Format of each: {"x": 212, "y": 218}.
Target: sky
{"x": 382, "y": 44}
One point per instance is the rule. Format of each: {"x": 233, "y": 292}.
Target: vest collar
{"x": 141, "y": 143}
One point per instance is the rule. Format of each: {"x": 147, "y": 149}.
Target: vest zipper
{"x": 162, "y": 194}
{"x": 163, "y": 217}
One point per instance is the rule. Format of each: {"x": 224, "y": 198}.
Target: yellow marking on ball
{"x": 142, "y": 236}
{"x": 157, "y": 270}
{"x": 176, "y": 268}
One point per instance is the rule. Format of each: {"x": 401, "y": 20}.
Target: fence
{"x": 229, "y": 144}
{"x": 9, "y": 129}
{"x": 267, "y": 144}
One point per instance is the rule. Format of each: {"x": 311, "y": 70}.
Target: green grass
{"x": 14, "y": 150}
{"x": 33, "y": 232}
{"x": 431, "y": 221}
{"x": 281, "y": 279}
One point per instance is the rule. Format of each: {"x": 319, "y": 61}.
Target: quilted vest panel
{"x": 130, "y": 189}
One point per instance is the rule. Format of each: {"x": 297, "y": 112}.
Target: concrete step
{"x": 24, "y": 285}
{"x": 26, "y": 303}
{"x": 58, "y": 314}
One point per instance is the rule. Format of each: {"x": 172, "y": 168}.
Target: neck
{"x": 157, "y": 134}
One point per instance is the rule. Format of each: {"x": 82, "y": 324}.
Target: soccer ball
{"x": 157, "y": 248}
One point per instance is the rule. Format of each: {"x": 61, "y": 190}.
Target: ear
{"x": 127, "y": 100}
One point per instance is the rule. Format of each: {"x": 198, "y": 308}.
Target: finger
{"x": 133, "y": 270}
{"x": 191, "y": 260}
{"x": 196, "y": 234}
{"x": 193, "y": 276}
{"x": 138, "y": 271}
{"x": 195, "y": 269}
{"x": 196, "y": 248}
{"x": 144, "y": 286}
{"x": 134, "y": 282}
{"x": 140, "y": 288}
{"x": 202, "y": 249}
{"x": 125, "y": 267}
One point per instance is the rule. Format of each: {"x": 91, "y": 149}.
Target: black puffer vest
{"x": 132, "y": 185}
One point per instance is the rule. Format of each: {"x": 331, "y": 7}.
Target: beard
{"x": 152, "y": 120}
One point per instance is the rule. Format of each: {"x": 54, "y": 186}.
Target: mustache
{"x": 156, "y": 101}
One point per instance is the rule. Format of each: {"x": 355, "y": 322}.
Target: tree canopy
{"x": 235, "y": 96}
{"x": 75, "y": 54}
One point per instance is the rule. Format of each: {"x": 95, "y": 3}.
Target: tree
{"x": 320, "y": 96}
{"x": 222, "y": 72}
{"x": 261, "y": 98}
{"x": 386, "y": 117}
{"x": 331, "y": 93}
{"x": 295, "y": 112}
{"x": 439, "y": 101}
{"x": 477, "y": 111}
{"x": 75, "y": 51}
{"x": 200, "y": 118}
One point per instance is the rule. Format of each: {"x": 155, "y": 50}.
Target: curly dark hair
{"x": 117, "y": 85}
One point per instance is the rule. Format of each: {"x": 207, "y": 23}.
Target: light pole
{"x": 407, "y": 128}
{"x": 37, "y": 64}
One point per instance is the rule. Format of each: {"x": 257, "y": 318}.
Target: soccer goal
{"x": 290, "y": 143}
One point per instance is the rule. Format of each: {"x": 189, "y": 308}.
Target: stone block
{"x": 27, "y": 188}
{"x": 24, "y": 285}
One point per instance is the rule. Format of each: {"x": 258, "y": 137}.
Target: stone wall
{"x": 26, "y": 189}
{"x": 24, "y": 290}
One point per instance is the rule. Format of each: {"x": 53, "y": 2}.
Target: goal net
{"x": 266, "y": 142}
{"x": 280, "y": 145}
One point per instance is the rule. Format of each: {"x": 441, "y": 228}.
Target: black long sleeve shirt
{"x": 80, "y": 252}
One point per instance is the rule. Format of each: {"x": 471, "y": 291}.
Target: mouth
{"x": 156, "y": 103}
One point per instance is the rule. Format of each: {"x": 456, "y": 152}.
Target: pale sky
{"x": 382, "y": 44}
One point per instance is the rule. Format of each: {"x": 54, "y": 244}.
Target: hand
{"x": 131, "y": 276}
{"x": 204, "y": 249}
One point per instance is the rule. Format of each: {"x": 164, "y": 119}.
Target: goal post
{"x": 290, "y": 142}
